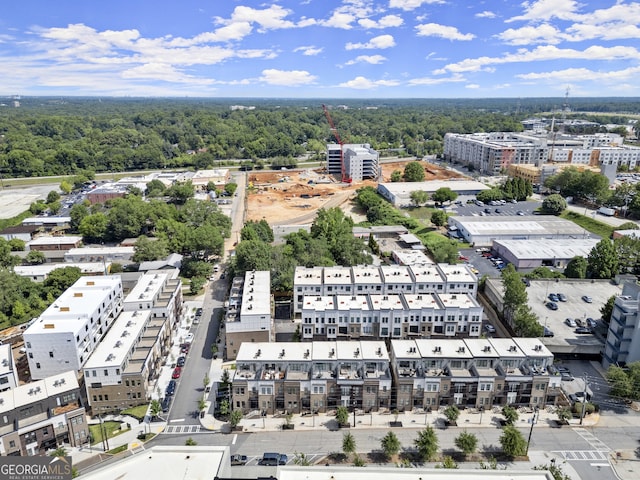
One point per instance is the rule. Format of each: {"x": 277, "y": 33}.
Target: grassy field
{"x": 136, "y": 412}
{"x": 112, "y": 429}
{"x": 592, "y": 225}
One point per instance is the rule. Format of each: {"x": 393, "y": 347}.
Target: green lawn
{"x": 591, "y": 224}
{"x": 136, "y": 412}
{"x": 112, "y": 429}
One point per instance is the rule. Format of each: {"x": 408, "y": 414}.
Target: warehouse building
{"x": 483, "y": 231}
{"x": 550, "y": 253}
{"x": 399, "y": 193}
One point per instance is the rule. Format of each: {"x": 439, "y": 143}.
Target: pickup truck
{"x": 609, "y": 212}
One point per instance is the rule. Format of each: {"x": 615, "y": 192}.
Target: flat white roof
{"x": 45, "y": 220}
{"x": 405, "y": 188}
{"x": 358, "y": 302}
{"x": 396, "y": 274}
{"x": 37, "y": 391}
{"x": 160, "y": 462}
{"x": 507, "y": 348}
{"x": 147, "y": 288}
{"x": 256, "y": 295}
{"x": 6, "y": 359}
{"x": 70, "y": 310}
{"x": 318, "y": 351}
{"x": 46, "y": 268}
{"x": 308, "y": 276}
{"x": 55, "y": 240}
{"x": 550, "y": 248}
{"x": 386, "y": 302}
{"x": 119, "y": 340}
{"x": 366, "y": 274}
{"x": 508, "y": 225}
{"x": 427, "y": 273}
{"x": 318, "y": 303}
{"x": 88, "y": 251}
{"x": 422, "y": 300}
{"x": 457, "y": 273}
{"x": 411, "y": 257}
{"x": 533, "y": 347}
{"x": 337, "y": 275}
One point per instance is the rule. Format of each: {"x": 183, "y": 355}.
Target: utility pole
{"x": 533, "y": 422}
{"x": 584, "y": 397}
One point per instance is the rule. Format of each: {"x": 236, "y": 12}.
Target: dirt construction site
{"x": 293, "y": 197}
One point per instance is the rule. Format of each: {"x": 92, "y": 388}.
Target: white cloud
{"x": 544, "y": 33}
{"x": 382, "y": 41}
{"x": 287, "y": 77}
{"x": 340, "y": 20}
{"x": 272, "y": 18}
{"x": 486, "y": 14}
{"x": 232, "y": 32}
{"x": 309, "y": 50}
{"x": 408, "y": 5}
{"x": 456, "y": 78}
{"x": 384, "y": 22}
{"x": 571, "y": 74}
{"x": 544, "y": 53}
{"x": 544, "y": 10}
{"x": 372, "y": 59}
{"x": 444, "y": 31}
{"x": 164, "y": 72}
{"x": 362, "y": 83}
{"x": 472, "y": 86}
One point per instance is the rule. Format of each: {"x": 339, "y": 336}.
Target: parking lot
{"x": 508, "y": 209}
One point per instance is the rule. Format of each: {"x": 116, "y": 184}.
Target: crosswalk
{"x": 183, "y": 429}
{"x": 583, "y": 455}
{"x": 592, "y": 439}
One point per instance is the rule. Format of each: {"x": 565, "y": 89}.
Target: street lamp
{"x": 481, "y": 412}
{"x": 533, "y": 422}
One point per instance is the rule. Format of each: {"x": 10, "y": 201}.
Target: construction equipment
{"x": 334, "y": 130}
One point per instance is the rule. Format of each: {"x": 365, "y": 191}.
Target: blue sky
{"x": 320, "y": 48}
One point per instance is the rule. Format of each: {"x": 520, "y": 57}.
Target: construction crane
{"x": 334, "y": 130}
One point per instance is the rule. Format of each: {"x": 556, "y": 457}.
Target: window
{"x": 106, "y": 372}
{"x": 485, "y": 387}
{"x": 318, "y": 389}
{"x": 50, "y": 354}
{"x": 38, "y": 365}
{"x": 12, "y": 444}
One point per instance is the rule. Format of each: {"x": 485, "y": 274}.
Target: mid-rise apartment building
{"x": 311, "y": 377}
{"x": 429, "y": 373}
{"x": 42, "y": 415}
{"x": 385, "y": 279}
{"x": 623, "y": 338}
{"x": 403, "y": 315}
{"x": 8, "y": 371}
{"x": 360, "y": 161}
{"x": 250, "y": 312}
{"x": 65, "y": 334}
{"x": 121, "y": 371}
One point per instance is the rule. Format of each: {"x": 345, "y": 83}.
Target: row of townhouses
{"x": 405, "y": 315}
{"x": 381, "y": 280}
{"x": 411, "y": 374}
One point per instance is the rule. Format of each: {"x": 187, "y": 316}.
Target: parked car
{"x": 176, "y": 373}
{"x": 180, "y": 362}
{"x": 587, "y": 299}
{"x": 570, "y": 322}
{"x": 487, "y": 210}
{"x": 552, "y": 305}
{"x": 273, "y": 459}
{"x": 553, "y": 297}
{"x": 562, "y": 297}
{"x": 547, "y": 332}
{"x": 498, "y": 210}
{"x": 513, "y": 200}
{"x": 583, "y": 330}
{"x": 591, "y": 323}
{"x": 171, "y": 388}
{"x": 566, "y": 376}
{"x": 166, "y": 404}
{"x": 184, "y": 348}
{"x": 579, "y": 323}
{"x": 188, "y": 338}
{"x": 520, "y": 212}
{"x": 489, "y": 328}
{"x": 199, "y": 311}
{"x": 464, "y": 258}
{"x": 238, "y": 460}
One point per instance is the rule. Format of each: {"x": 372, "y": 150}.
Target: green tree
{"x": 234, "y": 419}
{"x": 342, "y": 415}
{"x": 525, "y": 322}
{"x": 190, "y": 442}
{"x": 621, "y": 384}
{"x": 448, "y": 462}
{"x": 301, "y": 459}
{"x": 427, "y": 443}
{"x": 155, "y": 188}
{"x": 35, "y": 257}
{"x": 564, "y": 414}
{"x": 260, "y": 230}
{"x": 155, "y": 408}
{"x": 510, "y": 414}
{"x": 147, "y": 249}
{"x": 439, "y": 218}
{"x": 396, "y": 176}
{"x": 414, "y": 172}
{"x": 348, "y": 443}
{"x": 576, "y": 268}
{"x": 555, "y": 470}
{"x": 602, "y": 261}
{"x": 16, "y": 245}
{"x": 253, "y": 255}
{"x": 181, "y": 192}
{"x": 554, "y": 204}
{"x": 452, "y": 413}
{"x": 467, "y": 442}
{"x": 444, "y": 194}
{"x": 225, "y": 408}
{"x": 61, "y": 279}
{"x": 66, "y": 187}
{"x": 59, "y": 452}
{"x": 55, "y": 207}
{"x": 419, "y": 197}
{"x": 94, "y": 228}
{"x": 231, "y": 188}
{"x": 390, "y": 444}
{"x": 628, "y": 226}
{"x": 512, "y": 442}
{"x": 53, "y": 196}
{"x": 607, "y": 309}
{"x": 515, "y": 293}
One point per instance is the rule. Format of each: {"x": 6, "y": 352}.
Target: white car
{"x": 489, "y": 328}
{"x": 188, "y": 338}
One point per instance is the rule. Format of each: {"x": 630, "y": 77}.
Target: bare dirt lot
{"x": 293, "y": 197}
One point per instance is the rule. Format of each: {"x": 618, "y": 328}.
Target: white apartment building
{"x": 158, "y": 291}
{"x": 8, "y": 372}
{"x": 100, "y": 254}
{"x": 65, "y": 334}
{"x": 39, "y": 273}
{"x": 385, "y": 279}
{"x": 402, "y": 315}
{"x": 252, "y": 322}
{"x": 360, "y": 161}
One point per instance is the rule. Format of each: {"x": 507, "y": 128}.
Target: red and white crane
{"x": 334, "y": 130}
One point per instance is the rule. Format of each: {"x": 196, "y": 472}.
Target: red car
{"x": 176, "y": 373}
